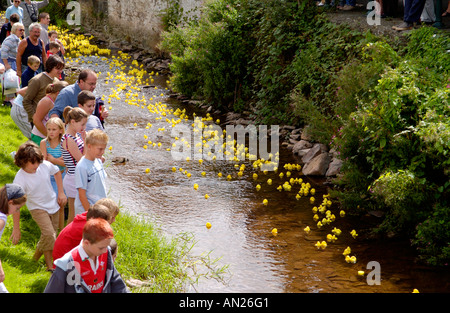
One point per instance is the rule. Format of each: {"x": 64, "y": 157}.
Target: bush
{"x": 433, "y": 237}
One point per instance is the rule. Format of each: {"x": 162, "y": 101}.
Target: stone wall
{"x": 135, "y": 21}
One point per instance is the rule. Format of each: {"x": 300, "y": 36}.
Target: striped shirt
{"x": 9, "y": 47}
{"x": 69, "y": 161}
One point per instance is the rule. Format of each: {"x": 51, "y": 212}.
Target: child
{"x": 33, "y": 63}
{"x": 53, "y": 48}
{"x": 86, "y": 101}
{"x": 53, "y": 37}
{"x": 72, "y": 144}
{"x": 44, "y": 105}
{"x": 42, "y": 202}
{"x": 88, "y": 268}
{"x": 89, "y": 174}
{"x": 12, "y": 198}
{"x": 51, "y": 150}
{"x": 72, "y": 234}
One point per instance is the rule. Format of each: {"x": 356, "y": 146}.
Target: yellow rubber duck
{"x": 208, "y": 225}
{"x": 342, "y": 213}
{"x": 336, "y": 231}
{"x": 274, "y": 231}
{"x": 321, "y": 245}
{"x": 307, "y": 229}
{"x": 265, "y": 201}
{"x": 147, "y": 170}
{"x": 354, "y": 234}
{"x": 258, "y": 187}
{"x": 269, "y": 181}
{"x": 347, "y": 251}
{"x": 206, "y": 196}
{"x": 195, "y": 186}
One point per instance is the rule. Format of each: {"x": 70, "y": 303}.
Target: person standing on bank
{"x": 31, "y": 45}
{"x": 38, "y": 85}
{"x": 31, "y": 12}
{"x": 411, "y": 14}
{"x": 14, "y": 8}
{"x": 44, "y": 21}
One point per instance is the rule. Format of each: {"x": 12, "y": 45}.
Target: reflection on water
{"x": 241, "y": 225}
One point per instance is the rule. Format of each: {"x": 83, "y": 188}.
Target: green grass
{"x": 144, "y": 253}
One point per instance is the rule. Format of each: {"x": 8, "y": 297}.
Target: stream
{"x": 258, "y": 260}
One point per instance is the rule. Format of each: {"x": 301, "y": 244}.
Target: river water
{"x": 241, "y": 233}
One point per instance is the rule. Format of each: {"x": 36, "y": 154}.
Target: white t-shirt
{"x": 38, "y": 188}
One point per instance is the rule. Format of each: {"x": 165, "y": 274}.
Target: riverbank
{"x": 147, "y": 259}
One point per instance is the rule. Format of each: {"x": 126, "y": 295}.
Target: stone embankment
{"x": 316, "y": 158}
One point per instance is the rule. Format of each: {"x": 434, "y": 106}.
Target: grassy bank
{"x": 144, "y": 253}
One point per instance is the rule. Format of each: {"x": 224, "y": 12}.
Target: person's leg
{"x": 46, "y": 224}
{"x": 415, "y": 9}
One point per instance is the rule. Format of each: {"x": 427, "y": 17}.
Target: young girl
{"x": 72, "y": 145}
{"x": 12, "y": 198}
{"x": 44, "y": 105}
{"x": 42, "y": 202}
{"x": 51, "y": 150}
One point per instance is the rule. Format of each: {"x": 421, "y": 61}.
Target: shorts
{"x": 69, "y": 185}
{"x": 48, "y": 224}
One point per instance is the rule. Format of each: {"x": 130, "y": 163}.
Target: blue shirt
{"x": 67, "y": 97}
{"x": 27, "y": 75}
{"x": 11, "y": 10}
{"x": 90, "y": 176}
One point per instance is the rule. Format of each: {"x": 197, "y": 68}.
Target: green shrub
{"x": 432, "y": 238}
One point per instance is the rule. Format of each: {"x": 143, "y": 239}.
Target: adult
{"x": 38, "y": 84}
{"x": 31, "y": 12}
{"x": 40, "y": 117}
{"x": 8, "y": 50}
{"x": 31, "y": 45}
{"x": 411, "y": 14}
{"x": 6, "y": 28}
{"x": 87, "y": 80}
{"x": 44, "y": 21}
{"x": 14, "y": 8}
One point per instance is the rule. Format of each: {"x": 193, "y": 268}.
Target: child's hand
{"x": 62, "y": 199}
{"x": 15, "y": 236}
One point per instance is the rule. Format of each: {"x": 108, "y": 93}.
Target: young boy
{"x": 42, "y": 202}
{"x": 53, "y": 48}
{"x": 33, "y": 63}
{"x": 86, "y": 101}
{"x": 88, "y": 268}
{"x": 90, "y": 175}
{"x": 72, "y": 234}
{"x": 53, "y": 37}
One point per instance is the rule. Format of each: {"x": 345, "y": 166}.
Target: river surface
{"x": 241, "y": 225}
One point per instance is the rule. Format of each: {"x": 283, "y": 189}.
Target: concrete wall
{"x": 135, "y": 21}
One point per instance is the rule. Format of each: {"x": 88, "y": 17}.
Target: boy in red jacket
{"x": 88, "y": 268}
{"x": 72, "y": 234}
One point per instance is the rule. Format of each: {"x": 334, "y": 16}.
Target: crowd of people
{"x": 61, "y": 163}
{"x": 414, "y": 11}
